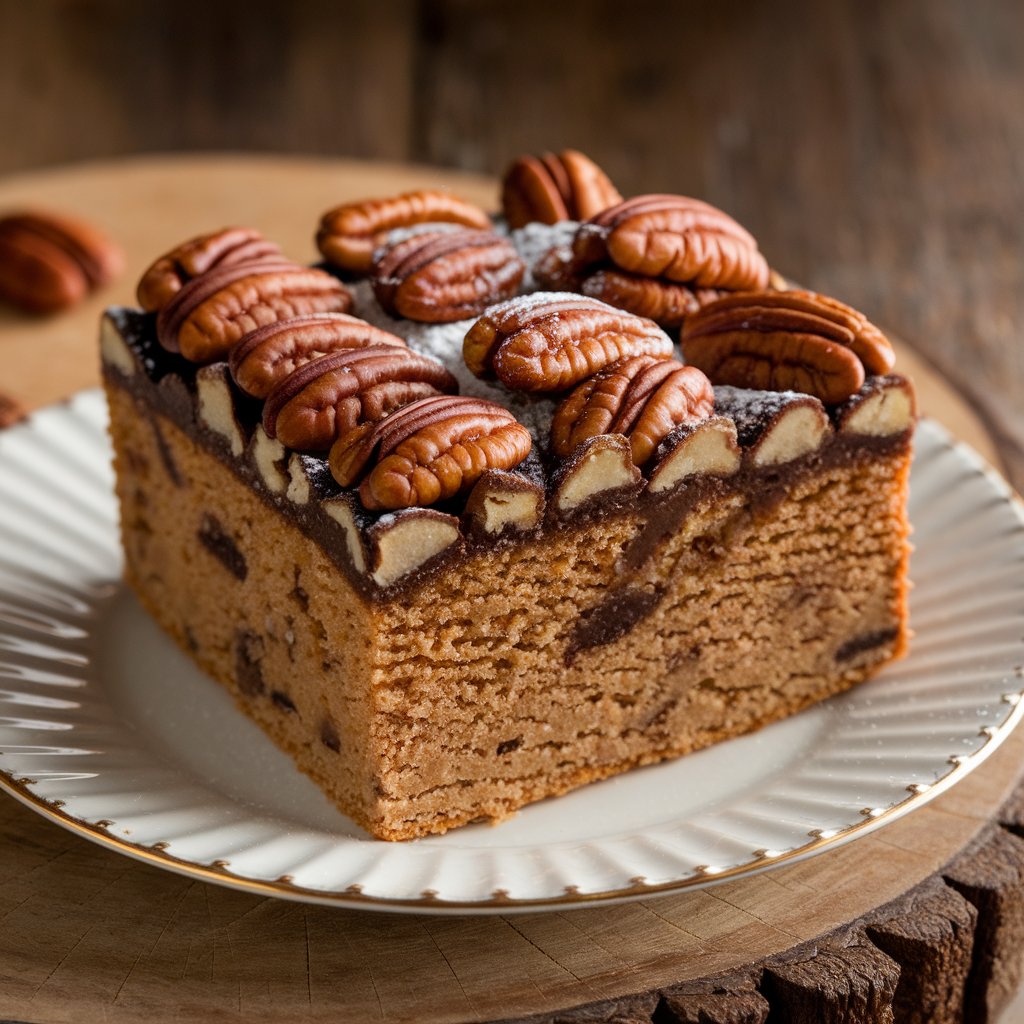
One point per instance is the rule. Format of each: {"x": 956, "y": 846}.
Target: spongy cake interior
{"x": 522, "y": 670}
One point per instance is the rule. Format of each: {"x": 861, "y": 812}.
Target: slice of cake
{"x": 464, "y": 562}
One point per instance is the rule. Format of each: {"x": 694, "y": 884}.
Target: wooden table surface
{"x": 927, "y": 911}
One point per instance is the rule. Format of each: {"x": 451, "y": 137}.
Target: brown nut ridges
{"x": 165, "y": 277}
{"x": 675, "y": 237}
{"x": 429, "y": 451}
{"x": 550, "y": 341}
{"x": 791, "y": 340}
{"x": 323, "y": 399}
{"x": 554, "y": 187}
{"x": 212, "y": 312}
{"x": 350, "y": 233}
{"x": 49, "y": 262}
{"x": 641, "y": 397}
{"x": 266, "y": 356}
{"x": 440, "y": 278}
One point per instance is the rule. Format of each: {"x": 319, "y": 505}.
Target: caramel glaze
{"x": 166, "y": 384}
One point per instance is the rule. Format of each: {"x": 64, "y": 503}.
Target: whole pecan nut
{"x": 554, "y": 187}
{"x": 350, "y": 233}
{"x": 675, "y": 237}
{"x": 172, "y": 271}
{"x": 550, "y": 341}
{"x": 266, "y": 356}
{"x": 319, "y": 401}
{"x": 643, "y": 398}
{"x": 790, "y": 340}
{"x": 49, "y": 262}
{"x": 439, "y": 278}
{"x": 429, "y": 451}
{"x": 211, "y": 313}
{"x": 665, "y": 302}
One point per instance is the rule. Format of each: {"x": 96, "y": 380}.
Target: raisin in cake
{"x": 458, "y": 543}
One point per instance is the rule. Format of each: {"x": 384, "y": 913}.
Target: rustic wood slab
{"x": 922, "y": 921}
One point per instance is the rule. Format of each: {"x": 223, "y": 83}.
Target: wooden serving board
{"x": 922, "y": 920}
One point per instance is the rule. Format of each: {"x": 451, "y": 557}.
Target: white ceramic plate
{"x": 107, "y": 728}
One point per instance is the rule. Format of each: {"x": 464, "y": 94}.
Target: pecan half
{"x": 550, "y": 341}
{"x": 554, "y": 187}
{"x": 439, "y": 278}
{"x": 781, "y": 341}
{"x": 558, "y": 270}
{"x": 674, "y": 237}
{"x": 50, "y": 262}
{"x": 665, "y": 302}
{"x": 172, "y": 271}
{"x": 319, "y": 401}
{"x": 215, "y": 310}
{"x": 429, "y": 451}
{"x": 642, "y": 397}
{"x": 266, "y": 356}
{"x": 350, "y": 233}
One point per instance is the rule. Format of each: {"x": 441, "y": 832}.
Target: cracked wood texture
{"x": 922, "y": 921}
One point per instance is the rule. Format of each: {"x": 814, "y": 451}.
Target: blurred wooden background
{"x": 875, "y": 148}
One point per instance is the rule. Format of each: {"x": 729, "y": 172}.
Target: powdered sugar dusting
{"x": 444, "y": 343}
{"x": 534, "y": 240}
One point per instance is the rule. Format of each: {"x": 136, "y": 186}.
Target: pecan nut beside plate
{"x": 554, "y": 187}
{"x": 643, "y": 398}
{"x": 49, "y": 262}
{"x": 440, "y": 278}
{"x": 334, "y": 394}
{"x": 266, "y": 356}
{"x": 675, "y": 237}
{"x": 350, "y": 233}
{"x": 550, "y": 341}
{"x": 164, "y": 278}
{"x": 210, "y": 314}
{"x": 428, "y": 451}
{"x": 786, "y": 341}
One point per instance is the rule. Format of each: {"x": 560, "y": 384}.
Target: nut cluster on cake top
{"x": 552, "y": 322}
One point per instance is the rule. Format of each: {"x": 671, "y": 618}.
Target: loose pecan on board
{"x": 439, "y": 278}
{"x": 550, "y": 341}
{"x": 554, "y": 187}
{"x": 429, "y": 451}
{"x": 350, "y": 233}
{"x": 49, "y": 262}
{"x": 786, "y": 341}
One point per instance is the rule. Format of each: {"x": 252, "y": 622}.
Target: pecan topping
{"x": 779, "y": 341}
{"x": 665, "y": 302}
{"x": 350, "y": 233}
{"x": 49, "y": 262}
{"x": 428, "y": 451}
{"x": 215, "y": 310}
{"x": 674, "y": 237}
{"x": 642, "y": 397}
{"x": 552, "y": 341}
{"x": 266, "y": 356}
{"x": 172, "y": 271}
{"x": 438, "y": 278}
{"x": 319, "y": 401}
{"x": 550, "y": 188}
